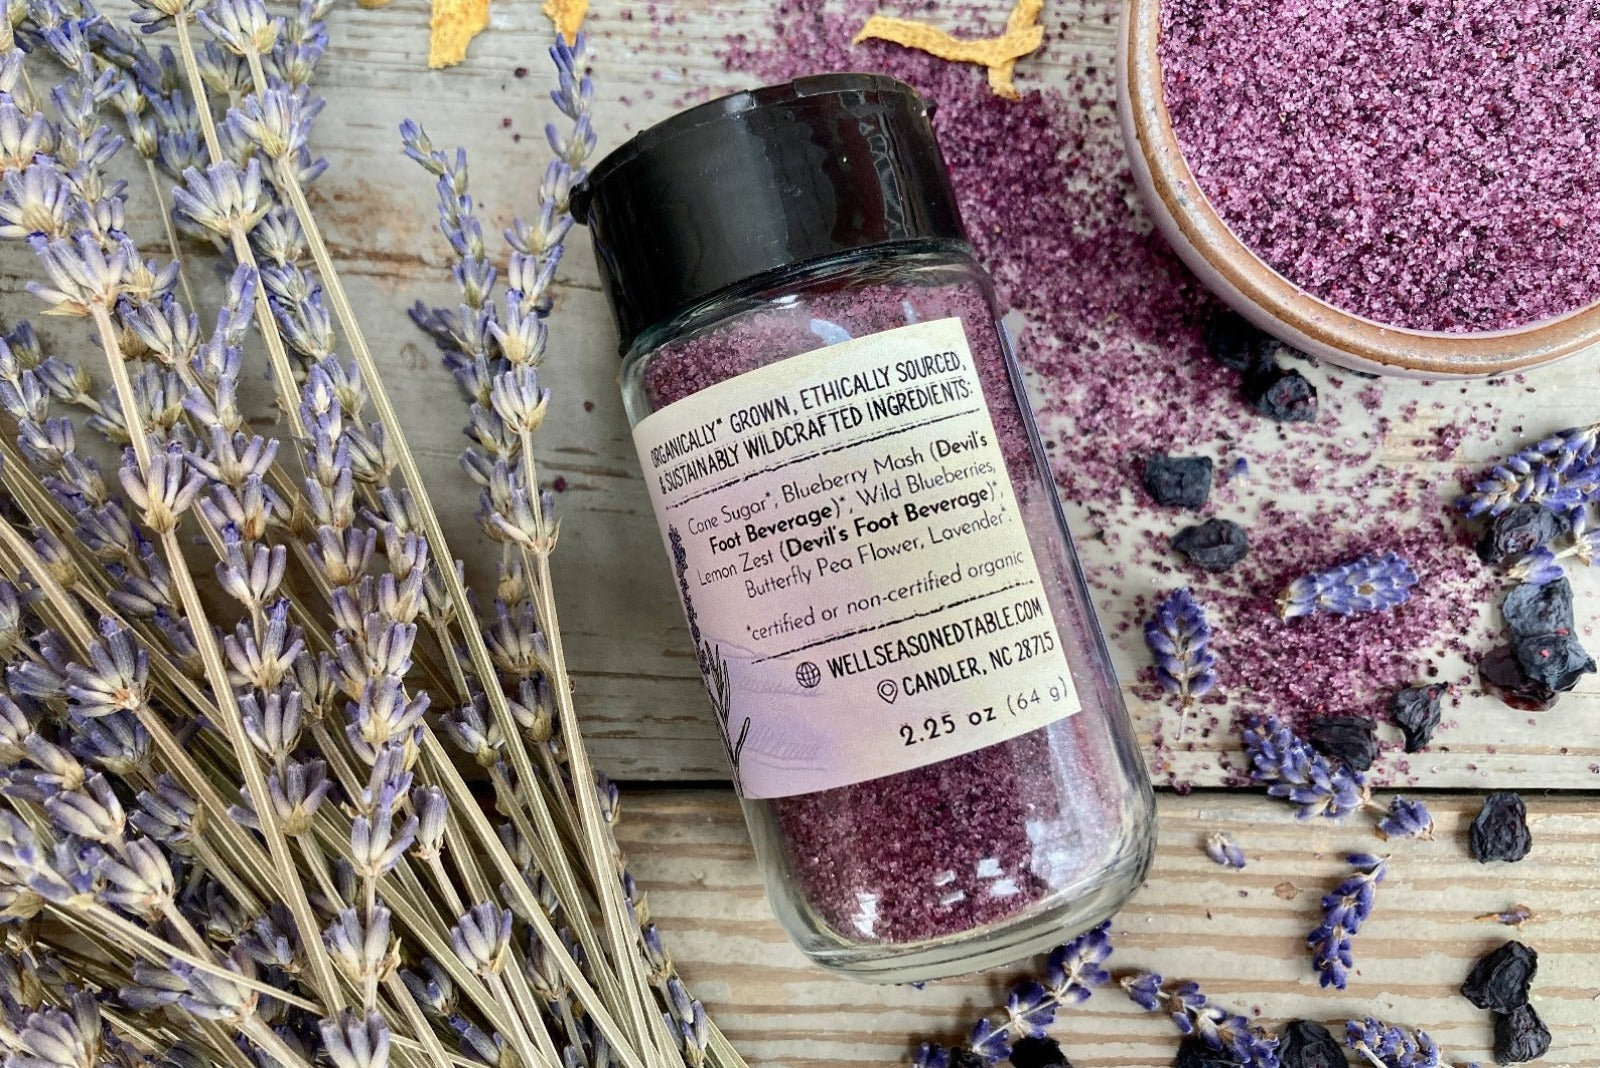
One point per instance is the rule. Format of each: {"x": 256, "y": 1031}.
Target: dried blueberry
{"x": 1520, "y": 1035}
{"x": 1500, "y": 831}
{"x": 1500, "y": 980}
{"x": 1215, "y": 545}
{"x": 1351, "y": 740}
{"x": 1415, "y": 711}
{"x": 1194, "y": 1052}
{"x": 1286, "y": 396}
{"x": 1038, "y": 1053}
{"x": 1307, "y": 1044}
{"x": 1554, "y": 660}
{"x": 1501, "y": 673}
{"x": 1539, "y": 609}
{"x": 1519, "y": 531}
{"x": 1178, "y": 481}
{"x": 1236, "y": 343}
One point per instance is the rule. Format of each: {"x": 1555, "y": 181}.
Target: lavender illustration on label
{"x": 713, "y": 668}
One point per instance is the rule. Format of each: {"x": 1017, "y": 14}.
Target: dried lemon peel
{"x": 451, "y": 27}
{"x": 999, "y": 54}
{"x": 567, "y": 15}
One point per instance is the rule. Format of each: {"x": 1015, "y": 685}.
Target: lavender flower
{"x": 1343, "y": 912}
{"x": 1387, "y": 1046}
{"x": 1406, "y": 819}
{"x": 481, "y": 938}
{"x": 1074, "y": 970}
{"x": 1562, "y": 472}
{"x": 1295, "y": 772}
{"x": 1543, "y": 565}
{"x": 1221, "y": 849}
{"x": 1180, "y": 641}
{"x": 1372, "y": 583}
{"x": 1515, "y": 916}
{"x": 354, "y": 1041}
{"x": 1193, "y": 1014}
{"x": 1538, "y": 567}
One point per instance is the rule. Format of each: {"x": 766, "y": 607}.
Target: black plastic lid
{"x": 759, "y": 181}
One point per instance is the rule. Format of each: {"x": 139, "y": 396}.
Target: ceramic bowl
{"x": 1266, "y": 297}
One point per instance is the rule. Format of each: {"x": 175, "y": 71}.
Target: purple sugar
{"x": 980, "y": 838}
{"x": 1428, "y": 164}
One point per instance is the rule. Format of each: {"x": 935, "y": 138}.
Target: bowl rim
{"x": 1253, "y": 287}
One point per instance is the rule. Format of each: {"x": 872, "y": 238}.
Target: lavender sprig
{"x": 1406, "y": 819}
{"x": 1386, "y": 1046}
{"x": 1292, "y": 770}
{"x": 1371, "y": 583}
{"x": 1074, "y": 970}
{"x": 1562, "y": 472}
{"x": 117, "y": 744}
{"x": 1295, "y": 772}
{"x": 1543, "y": 564}
{"x": 1343, "y": 912}
{"x": 1180, "y": 641}
{"x": 1193, "y": 1014}
{"x": 1222, "y": 849}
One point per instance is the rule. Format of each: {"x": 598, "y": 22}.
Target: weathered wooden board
{"x": 1240, "y": 934}
{"x": 643, "y": 706}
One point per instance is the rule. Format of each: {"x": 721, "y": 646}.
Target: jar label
{"x": 854, "y": 567}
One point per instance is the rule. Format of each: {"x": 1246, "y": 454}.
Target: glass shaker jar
{"x": 921, "y": 717}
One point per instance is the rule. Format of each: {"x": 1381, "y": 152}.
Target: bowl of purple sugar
{"x": 1401, "y": 188}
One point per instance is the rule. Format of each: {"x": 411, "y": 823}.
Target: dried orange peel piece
{"x": 999, "y": 54}
{"x": 451, "y": 27}
{"x": 567, "y": 15}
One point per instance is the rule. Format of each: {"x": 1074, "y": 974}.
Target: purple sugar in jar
{"x": 917, "y": 703}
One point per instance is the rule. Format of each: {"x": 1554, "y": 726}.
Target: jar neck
{"x": 794, "y": 279}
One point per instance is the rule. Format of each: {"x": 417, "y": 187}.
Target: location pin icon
{"x": 888, "y": 690}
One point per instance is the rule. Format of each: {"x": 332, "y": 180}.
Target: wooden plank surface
{"x": 643, "y": 708}
{"x": 1240, "y": 934}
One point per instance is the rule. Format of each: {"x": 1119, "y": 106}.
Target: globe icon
{"x": 807, "y": 674}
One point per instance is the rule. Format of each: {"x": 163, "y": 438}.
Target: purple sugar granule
{"x": 982, "y": 837}
{"x": 1429, "y": 165}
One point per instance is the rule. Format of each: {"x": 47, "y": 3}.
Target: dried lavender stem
{"x": 557, "y": 866}
{"x": 180, "y": 923}
{"x": 264, "y": 1037}
{"x": 441, "y": 877}
{"x": 197, "y": 88}
{"x": 317, "y": 864}
{"x": 514, "y": 881}
{"x": 477, "y": 650}
{"x": 536, "y": 1048}
{"x": 161, "y": 952}
{"x": 172, "y": 233}
{"x": 432, "y": 1049}
{"x": 222, "y": 1042}
{"x": 217, "y": 676}
{"x": 625, "y": 942}
{"x": 43, "y": 509}
{"x": 222, "y": 871}
{"x": 522, "y": 996}
{"x": 465, "y": 858}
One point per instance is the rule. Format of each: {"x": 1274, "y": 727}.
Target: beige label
{"x": 853, "y": 564}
